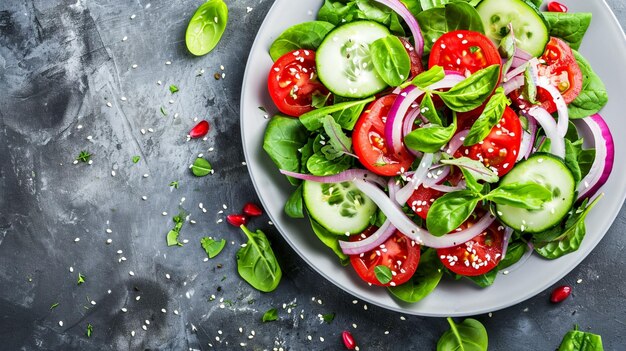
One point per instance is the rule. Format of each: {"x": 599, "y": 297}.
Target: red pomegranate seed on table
{"x": 554, "y": 6}
{"x": 560, "y": 293}
{"x": 201, "y": 129}
{"x": 237, "y": 219}
{"x": 252, "y": 210}
{"x": 348, "y": 340}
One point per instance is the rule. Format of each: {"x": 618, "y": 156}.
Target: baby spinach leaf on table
{"x": 319, "y": 165}
{"x": 284, "y": 136}
{"x": 430, "y": 138}
{"x": 330, "y": 240}
{"x": 201, "y": 167}
{"x": 530, "y": 196}
{"x": 471, "y": 92}
{"x": 577, "y": 340}
{"x": 313, "y": 120}
{"x": 423, "y": 282}
{"x": 469, "y": 335}
{"x": 206, "y": 27}
{"x": 270, "y": 315}
{"x": 488, "y": 119}
{"x": 328, "y": 317}
{"x": 294, "y": 206}
{"x": 383, "y": 274}
{"x": 390, "y": 59}
{"x": 306, "y": 35}
{"x": 593, "y": 95}
{"x": 514, "y": 253}
{"x": 476, "y": 168}
{"x": 212, "y": 247}
{"x": 569, "y": 26}
{"x": 436, "y": 21}
{"x": 256, "y": 262}
{"x": 172, "y": 235}
{"x": 450, "y": 211}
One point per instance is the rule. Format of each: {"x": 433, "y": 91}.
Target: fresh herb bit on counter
{"x": 212, "y": 247}
{"x": 256, "y": 262}
{"x": 54, "y": 305}
{"x": 136, "y": 159}
{"x": 328, "y": 317}
{"x": 84, "y": 156}
{"x": 270, "y": 315}
{"x": 206, "y": 27}
{"x": 173, "y": 89}
{"x": 201, "y": 167}
{"x": 467, "y": 335}
{"x": 81, "y": 279}
{"x": 199, "y": 130}
{"x": 163, "y": 111}
{"x": 174, "y": 184}
{"x": 172, "y": 235}
{"x": 576, "y": 340}
{"x": 89, "y": 330}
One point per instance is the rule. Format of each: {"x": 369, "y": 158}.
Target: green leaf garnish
{"x": 270, "y": 315}
{"x": 84, "y": 156}
{"x": 212, "y": 247}
{"x": 201, "y": 167}
{"x": 173, "y": 89}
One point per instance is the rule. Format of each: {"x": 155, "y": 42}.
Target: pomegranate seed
{"x": 201, "y": 129}
{"x": 560, "y": 293}
{"x": 237, "y": 219}
{"x": 554, "y": 6}
{"x": 348, "y": 340}
{"x": 252, "y": 210}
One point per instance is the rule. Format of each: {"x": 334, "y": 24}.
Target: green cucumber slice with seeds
{"x": 341, "y": 208}
{"x": 551, "y": 172}
{"x": 344, "y": 63}
{"x": 529, "y": 25}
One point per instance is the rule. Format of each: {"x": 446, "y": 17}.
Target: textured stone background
{"x": 61, "y": 64}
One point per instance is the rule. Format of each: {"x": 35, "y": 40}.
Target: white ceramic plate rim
{"x": 605, "y": 43}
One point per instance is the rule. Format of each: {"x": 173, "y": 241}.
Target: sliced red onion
{"x": 513, "y": 84}
{"x": 561, "y": 106}
{"x": 407, "y": 127}
{"x": 521, "y": 261}
{"x": 515, "y": 72}
{"x": 605, "y": 154}
{"x": 528, "y": 139}
{"x": 345, "y": 176}
{"x": 411, "y": 22}
{"x": 406, "y": 226}
{"x": 393, "y": 186}
{"x": 446, "y": 188}
{"x": 557, "y": 144}
{"x": 520, "y": 57}
{"x": 508, "y": 232}
{"x": 436, "y": 175}
{"x": 402, "y": 196}
{"x": 371, "y": 242}
{"x": 400, "y": 107}
{"x": 456, "y": 142}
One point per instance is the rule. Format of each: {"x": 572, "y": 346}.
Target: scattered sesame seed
{"x": 176, "y": 312}
{"x": 135, "y": 66}
{"x": 144, "y": 327}
{"x": 132, "y": 16}
{"x": 131, "y": 273}
{"x": 386, "y": 332}
{"x": 137, "y": 298}
{"x": 163, "y": 310}
{"x": 146, "y": 175}
{"x": 168, "y": 62}
{"x": 579, "y": 281}
{"x": 109, "y": 241}
{"x": 76, "y": 240}
{"x": 248, "y": 9}
{"x": 124, "y": 38}
{"x": 109, "y": 104}
{"x": 132, "y": 333}
{"x": 60, "y": 323}
{"x": 159, "y": 82}
{"x": 354, "y": 325}
{"x": 124, "y": 309}
{"x": 71, "y": 269}
{"x": 365, "y": 307}
{"x": 167, "y": 275}
{"x": 309, "y": 337}
{"x": 93, "y": 302}
{"x": 144, "y": 198}
{"x": 147, "y": 322}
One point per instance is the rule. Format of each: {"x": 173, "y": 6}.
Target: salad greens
{"x": 593, "y": 96}
{"x": 578, "y": 340}
{"x": 391, "y": 60}
{"x": 469, "y": 335}
{"x": 306, "y": 35}
{"x": 570, "y": 27}
{"x": 424, "y": 281}
{"x": 256, "y": 262}
{"x": 436, "y": 21}
{"x": 212, "y": 247}
{"x": 206, "y": 27}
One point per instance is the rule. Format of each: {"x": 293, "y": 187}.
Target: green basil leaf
{"x": 470, "y": 93}
{"x": 514, "y": 253}
{"x": 428, "y": 78}
{"x": 172, "y": 238}
{"x": 529, "y": 89}
{"x": 318, "y": 164}
{"x": 313, "y": 120}
{"x": 424, "y": 280}
{"x": 328, "y": 317}
{"x": 256, "y": 262}
{"x": 465, "y": 336}
{"x": 436, "y": 21}
{"x": 488, "y": 119}
{"x": 478, "y": 170}
{"x": 306, "y": 35}
{"x": 211, "y": 246}
{"x": 390, "y": 59}
{"x": 270, "y": 315}
{"x": 430, "y": 138}
{"x": 576, "y": 340}
{"x": 383, "y": 274}
{"x": 330, "y": 240}
{"x": 206, "y": 27}
{"x": 347, "y": 117}
{"x": 593, "y": 95}
{"x": 471, "y": 182}
{"x": 428, "y": 109}
{"x": 319, "y": 100}
{"x": 530, "y": 196}
{"x": 284, "y": 137}
{"x": 201, "y": 167}
{"x": 294, "y": 206}
{"x": 569, "y": 26}
{"x": 450, "y": 211}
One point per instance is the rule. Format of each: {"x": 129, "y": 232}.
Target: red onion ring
{"x": 446, "y": 188}
{"x": 345, "y": 176}
{"x": 456, "y": 142}
{"x": 402, "y": 196}
{"x": 436, "y": 176}
{"x": 371, "y": 242}
{"x": 411, "y": 22}
{"x": 605, "y": 154}
{"x": 508, "y": 232}
{"x": 513, "y": 84}
{"x": 561, "y": 106}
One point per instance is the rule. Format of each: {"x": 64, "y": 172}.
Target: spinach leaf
{"x": 488, "y": 119}
{"x": 514, "y": 253}
{"x": 529, "y": 89}
{"x": 338, "y": 140}
{"x": 172, "y": 235}
{"x": 338, "y": 12}
{"x": 476, "y": 168}
{"x": 428, "y": 109}
{"x": 450, "y": 211}
{"x": 306, "y": 35}
{"x": 571, "y": 158}
{"x": 293, "y": 206}
{"x": 319, "y": 165}
{"x": 383, "y": 274}
{"x": 430, "y": 138}
{"x": 471, "y": 92}
{"x": 569, "y": 26}
{"x": 284, "y": 136}
{"x": 330, "y": 240}
{"x": 211, "y": 246}
{"x": 593, "y": 95}
{"x": 305, "y": 152}
{"x": 414, "y": 6}
{"x": 201, "y": 167}
{"x": 537, "y": 3}
{"x": 347, "y": 117}
{"x": 206, "y": 27}
{"x": 319, "y": 100}
{"x": 390, "y": 59}
{"x": 256, "y": 262}
{"x": 585, "y": 161}
{"x": 428, "y": 4}
{"x": 484, "y": 280}
{"x": 427, "y": 78}
{"x": 270, "y": 315}
{"x": 424, "y": 280}
{"x": 577, "y": 340}
{"x": 436, "y": 21}
{"x": 313, "y": 120}
{"x": 530, "y": 196}
{"x": 469, "y": 335}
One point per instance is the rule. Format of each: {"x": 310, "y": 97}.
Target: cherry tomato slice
{"x": 554, "y": 6}
{"x": 464, "y": 51}
{"x": 368, "y": 140}
{"x": 499, "y": 149}
{"x": 477, "y": 256}
{"x": 292, "y": 82}
{"x": 421, "y": 199}
{"x": 398, "y": 253}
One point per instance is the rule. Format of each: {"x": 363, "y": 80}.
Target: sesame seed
{"x": 176, "y": 312}
{"x": 131, "y": 273}
{"x": 163, "y": 310}
{"x": 76, "y": 240}
{"x": 93, "y": 302}
{"x": 109, "y": 241}
{"x": 124, "y": 309}
{"x": 144, "y": 327}
{"x": 144, "y": 198}
{"x": 321, "y": 338}
{"x": 579, "y": 281}
{"x": 109, "y": 104}
{"x": 132, "y": 333}
{"x": 71, "y": 269}
{"x": 60, "y": 323}
{"x": 137, "y": 298}
{"x": 168, "y": 62}
{"x": 132, "y": 16}
{"x": 167, "y": 275}
{"x": 134, "y": 66}
{"x": 124, "y": 38}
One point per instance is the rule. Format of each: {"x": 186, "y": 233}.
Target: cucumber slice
{"x": 551, "y": 172}
{"x": 529, "y": 25}
{"x": 341, "y": 208}
{"x": 344, "y": 64}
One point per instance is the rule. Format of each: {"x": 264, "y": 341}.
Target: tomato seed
{"x": 560, "y": 293}
{"x": 348, "y": 340}
{"x": 554, "y": 6}
{"x": 201, "y": 129}
{"x": 252, "y": 210}
{"x": 237, "y": 219}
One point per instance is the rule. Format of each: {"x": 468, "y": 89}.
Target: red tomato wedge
{"x": 400, "y": 254}
{"x": 368, "y": 140}
{"x": 421, "y": 199}
{"x": 477, "y": 256}
{"x": 292, "y": 82}
{"x": 464, "y": 51}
